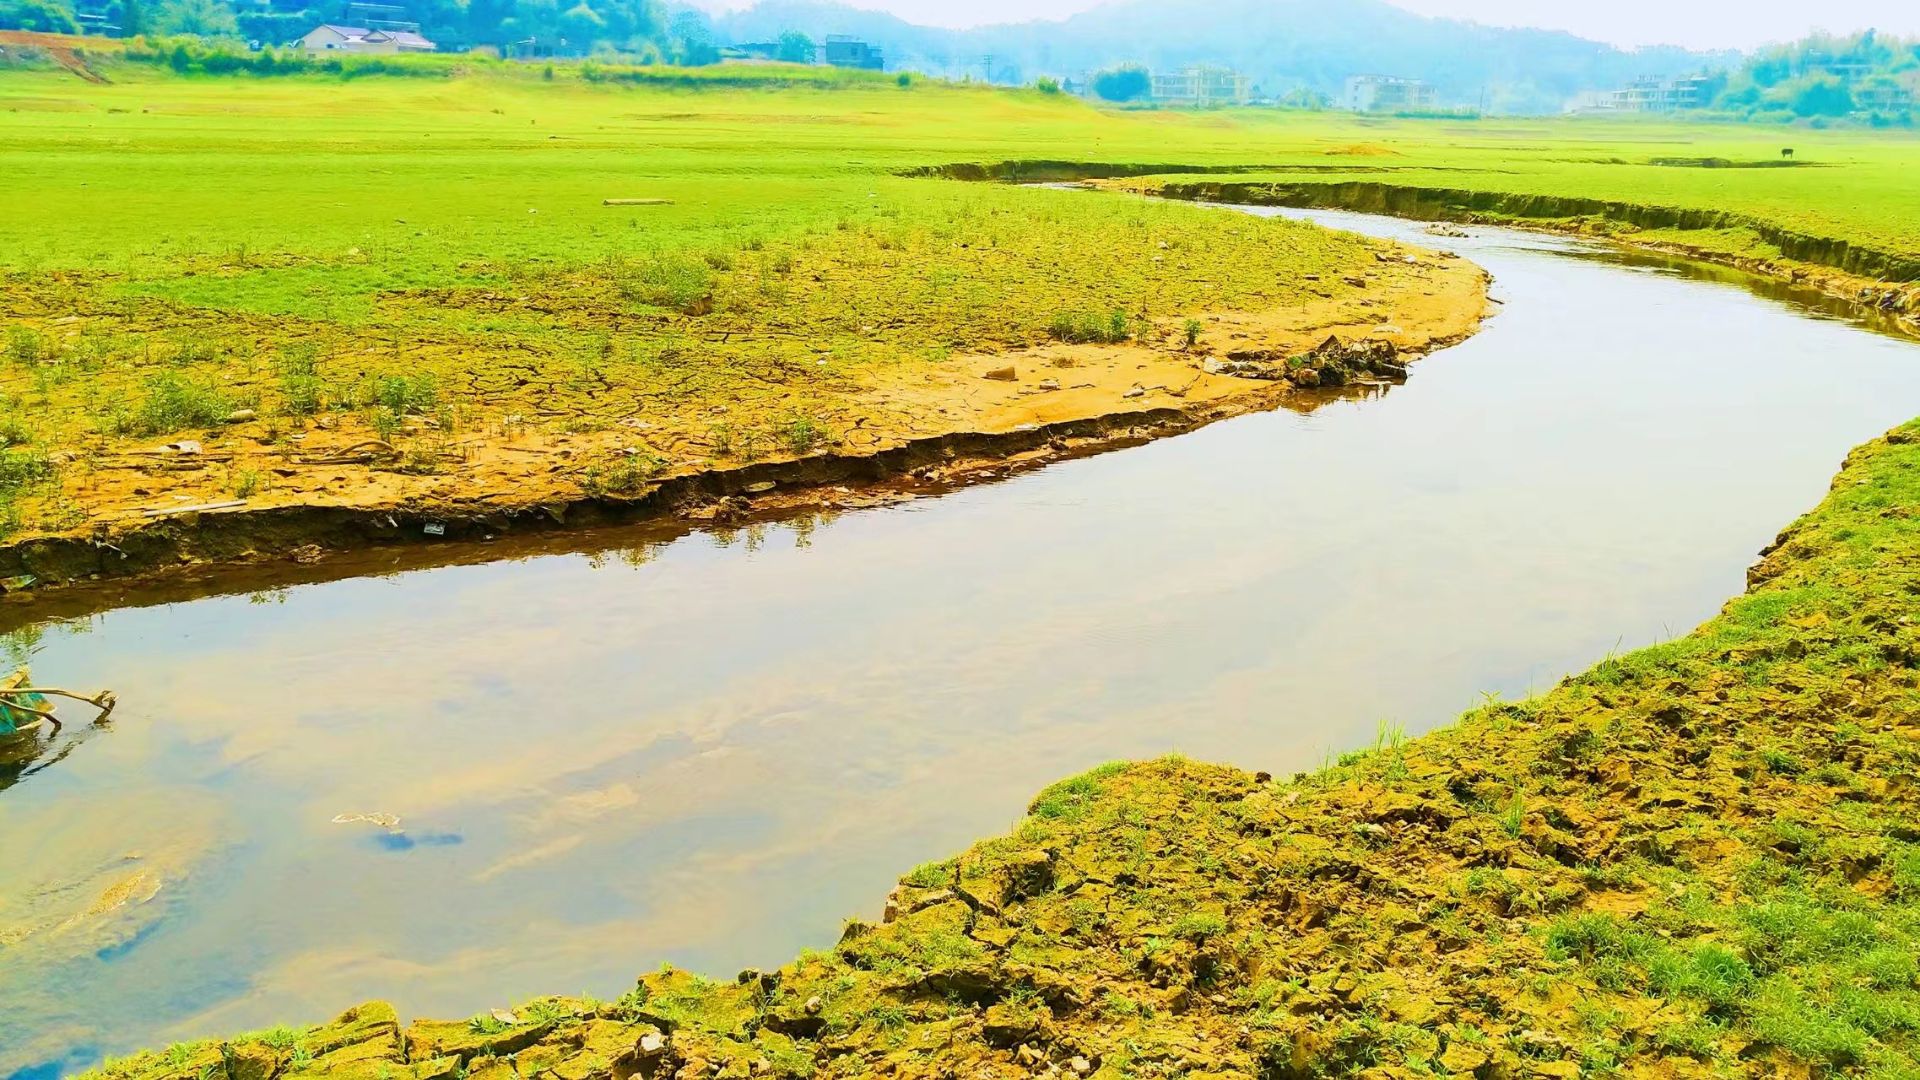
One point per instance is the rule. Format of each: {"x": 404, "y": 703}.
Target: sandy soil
{"x": 1416, "y": 301}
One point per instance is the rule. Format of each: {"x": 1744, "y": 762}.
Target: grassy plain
{"x": 410, "y": 289}
{"x": 1698, "y": 860}
{"x": 414, "y": 288}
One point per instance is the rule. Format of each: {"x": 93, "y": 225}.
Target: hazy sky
{"x": 1698, "y": 23}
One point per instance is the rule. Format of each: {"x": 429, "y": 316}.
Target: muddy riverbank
{"x": 1878, "y": 283}
{"x": 151, "y": 514}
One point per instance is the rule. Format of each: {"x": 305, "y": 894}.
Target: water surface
{"x": 710, "y": 750}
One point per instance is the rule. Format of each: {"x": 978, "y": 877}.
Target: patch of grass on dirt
{"x": 204, "y": 225}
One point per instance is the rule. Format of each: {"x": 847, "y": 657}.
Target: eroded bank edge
{"x": 76, "y": 575}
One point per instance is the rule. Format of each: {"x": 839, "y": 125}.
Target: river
{"x": 710, "y": 749}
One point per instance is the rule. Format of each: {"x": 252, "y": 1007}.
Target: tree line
{"x": 641, "y": 30}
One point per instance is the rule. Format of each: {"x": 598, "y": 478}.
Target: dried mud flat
{"x": 336, "y": 485}
{"x": 1695, "y": 860}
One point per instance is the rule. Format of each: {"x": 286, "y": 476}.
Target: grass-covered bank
{"x": 515, "y": 295}
{"x": 534, "y": 286}
{"x": 1869, "y": 277}
{"x": 1699, "y": 859}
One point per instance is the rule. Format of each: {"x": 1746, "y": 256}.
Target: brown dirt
{"x": 254, "y": 492}
{"x": 59, "y": 47}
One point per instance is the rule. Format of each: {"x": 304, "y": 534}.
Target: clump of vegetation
{"x": 1112, "y": 328}
{"x": 405, "y": 395}
{"x": 301, "y": 392}
{"x": 27, "y": 347}
{"x": 620, "y": 474}
{"x": 678, "y": 283}
{"x": 171, "y": 403}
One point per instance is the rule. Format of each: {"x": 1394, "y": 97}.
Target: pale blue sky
{"x": 1697, "y": 23}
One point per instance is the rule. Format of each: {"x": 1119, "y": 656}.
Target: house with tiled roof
{"x": 330, "y": 37}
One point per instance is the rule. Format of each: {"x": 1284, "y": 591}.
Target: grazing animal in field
{"x": 1787, "y": 154}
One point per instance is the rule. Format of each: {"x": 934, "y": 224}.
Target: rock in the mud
{"x": 443, "y": 1068}
{"x": 1005, "y": 1026}
{"x": 242, "y": 416}
{"x": 1461, "y": 1059}
{"x": 1003, "y": 374}
{"x": 1031, "y": 875}
{"x": 1049, "y": 384}
{"x": 803, "y": 1023}
{"x": 1248, "y": 369}
{"x": 433, "y": 1038}
{"x": 252, "y": 1061}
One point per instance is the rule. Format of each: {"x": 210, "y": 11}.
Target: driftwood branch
{"x": 103, "y": 701}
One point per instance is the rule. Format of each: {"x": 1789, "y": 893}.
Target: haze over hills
{"x": 1282, "y": 44}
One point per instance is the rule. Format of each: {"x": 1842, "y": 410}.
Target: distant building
{"x": 1886, "y": 96}
{"x": 753, "y": 52}
{"x": 1387, "y": 94}
{"x": 358, "y": 39}
{"x": 840, "y": 50}
{"x": 1201, "y": 85}
{"x": 1646, "y": 96}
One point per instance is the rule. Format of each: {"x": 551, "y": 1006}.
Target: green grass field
{"x": 428, "y": 258}
{"x": 388, "y": 251}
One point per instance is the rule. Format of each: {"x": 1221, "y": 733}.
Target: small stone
{"x": 813, "y": 1006}
{"x": 1080, "y": 1066}
{"x": 1005, "y": 374}
{"x": 652, "y": 1043}
{"x": 1135, "y": 391}
{"x": 241, "y": 416}
{"x": 1049, "y": 384}
{"x": 501, "y": 1015}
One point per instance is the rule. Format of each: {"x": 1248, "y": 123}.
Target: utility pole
{"x": 987, "y": 63}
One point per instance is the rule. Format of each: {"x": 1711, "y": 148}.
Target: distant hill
{"x": 1282, "y": 44}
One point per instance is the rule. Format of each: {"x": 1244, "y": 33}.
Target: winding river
{"x": 711, "y": 749}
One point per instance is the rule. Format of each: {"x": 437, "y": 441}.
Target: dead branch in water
{"x": 103, "y": 701}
